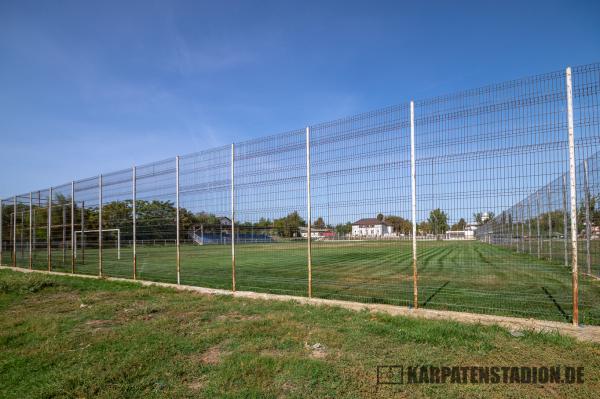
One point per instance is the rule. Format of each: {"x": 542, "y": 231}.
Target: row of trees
{"x": 436, "y": 223}
{"x": 156, "y": 220}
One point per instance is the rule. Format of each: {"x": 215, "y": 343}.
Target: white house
{"x": 371, "y": 228}
{"x": 467, "y": 234}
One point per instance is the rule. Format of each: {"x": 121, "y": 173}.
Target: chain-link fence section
{"x": 481, "y": 201}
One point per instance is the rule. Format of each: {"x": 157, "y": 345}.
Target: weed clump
{"x": 26, "y": 284}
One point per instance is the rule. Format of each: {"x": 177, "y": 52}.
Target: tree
{"x": 438, "y": 221}
{"x": 155, "y": 219}
{"x": 343, "y": 229}
{"x": 264, "y": 226}
{"x": 319, "y": 223}
{"x": 380, "y": 217}
{"x": 186, "y": 219}
{"x": 594, "y": 211}
{"x": 117, "y": 215}
{"x": 557, "y": 219}
{"x": 424, "y": 227}
{"x": 288, "y": 226}
{"x": 400, "y": 224}
{"x": 263, "y": 223}
{"x": 594, "y": 214}
{"x": 209, "y": 221}
{"x": 480, "y": 219}
{"x": 459, "y": 226}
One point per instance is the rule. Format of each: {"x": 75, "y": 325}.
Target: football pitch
{"x": 467, "y": 276}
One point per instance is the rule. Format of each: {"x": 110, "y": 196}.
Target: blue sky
{"x": 91, "y": 87}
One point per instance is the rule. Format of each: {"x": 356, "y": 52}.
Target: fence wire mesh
{"x": 326, "y": 211}
{"x": 156, "y": 222}
{"x": 360, "y": 174}
{"x": 205, "y": 218}
{"x": 117, "y": 224}
{"x": 270, "y": 212}
{"x": 86, "y": 244}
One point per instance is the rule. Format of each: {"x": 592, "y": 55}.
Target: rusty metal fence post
{"x": 232, "y": 218}
{"x": 550, "y": 222}
{"x": 134, "y": 221}
{"x": 49, "y": 230}
{"x": 529, "y": 227}
{"x": 177, "y": 217}
{"x": 14, "y": 226}
{"x": 1, "y": 225}
{"x": 309, "y": 218}
{"x": 82, "y": 232}
{"x": 30, "y": 231}
{"x": 539, "y": 236}
{"x": 573, "y": 197}
{"x": 64, "y": 234}
{"x": 100, "y": 225}
{"x": 413, "y": 179}
{"x": 588, "y": 230}
{"x": 565, "y": 220}
{"x": 72, "y": 227}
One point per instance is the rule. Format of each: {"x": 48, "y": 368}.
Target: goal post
{"x": 79, "y": 232}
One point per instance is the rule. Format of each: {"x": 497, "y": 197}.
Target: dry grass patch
{"x": 236, "y": 316}
{"x": 212, "y": 356}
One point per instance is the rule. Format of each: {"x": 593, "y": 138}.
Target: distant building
{"x": 371, "y": 227}
{"x": 224, "y": 221}
{"x": 317, "y": 233}
{"x": 467, "y": 234}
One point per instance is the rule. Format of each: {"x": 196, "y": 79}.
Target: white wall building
{"x": 371, "y": 228}
{"x": 467, "y": 234}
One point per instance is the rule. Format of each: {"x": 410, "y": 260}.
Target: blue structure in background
{"x": 225, "y": 238}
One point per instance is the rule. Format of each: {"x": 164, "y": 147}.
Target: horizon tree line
{"x": 155, "y": 219}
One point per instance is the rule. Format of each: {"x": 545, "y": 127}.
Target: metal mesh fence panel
{"x": 360, "y": 196}
{"x": 586, "y": 119}
{"x": 545, "y": 231}
{"x": 270, "y": 208}
{"x": 545, "y": 234}
{"x": 86, "y": 226}
{"x": 6, "y": 236}
{"x": 117, "y": 224}
{"x": 589, "y": 216}
{"x": 205, "y": 215}
{"x": 156, "y": 224}
{"x": 60, "y": 228}
{"x": 479, "y": 153}
{"x": 506, "y": 207}
{"x": 20, "y": 220}
{"x": 40, "y": 229}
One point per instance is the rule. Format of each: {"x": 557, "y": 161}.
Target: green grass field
{"x": 454, "y": 275}
{"x": 66, "y": 337}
